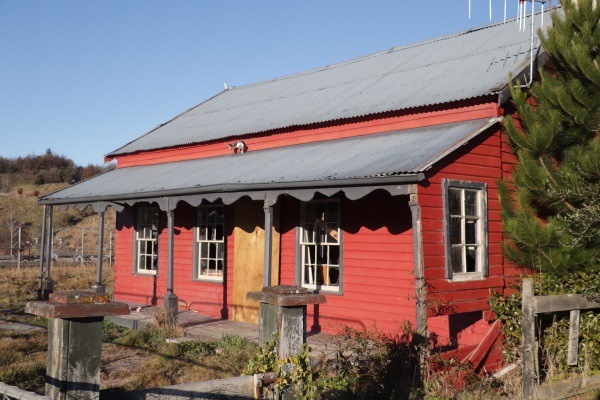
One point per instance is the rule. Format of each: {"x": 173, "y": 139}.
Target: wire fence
{"x": 20, "y": 245}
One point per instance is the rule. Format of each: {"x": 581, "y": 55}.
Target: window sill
{"x": 145, "y": 273}
{"x": 466, "y": 277}
{"x": 326, "y": 291}
{"x": 207, "y": 279}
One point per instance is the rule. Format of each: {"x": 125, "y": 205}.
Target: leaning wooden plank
{"x": 231, "y": 388}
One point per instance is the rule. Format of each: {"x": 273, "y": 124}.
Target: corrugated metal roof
{"x": 331, "y": 162}
{"x": 461, "y": 66}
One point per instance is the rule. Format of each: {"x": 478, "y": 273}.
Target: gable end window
{"x": 465, "y": 220}
{"x": 210, "y": 243}
{"x": 146, "y": 240}
{"x": 320, "y": 245}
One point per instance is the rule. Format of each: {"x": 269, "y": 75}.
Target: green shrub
{"x": 554, "y": 328}
{"x": 149, "y": 337}
{"x": 194, "y": 350}
{"x": 111, "y": 331}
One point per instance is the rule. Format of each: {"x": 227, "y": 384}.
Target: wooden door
{"x": 248, "y": 256}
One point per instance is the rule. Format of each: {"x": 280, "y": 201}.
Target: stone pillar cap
{"x": 286, "y": 296}
{"x": 76, "y": 304}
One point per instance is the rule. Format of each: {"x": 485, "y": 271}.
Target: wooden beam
{"x": 573, "y": 337}
{"x": 529, "y": 348}
{"x": 563, "y": 302}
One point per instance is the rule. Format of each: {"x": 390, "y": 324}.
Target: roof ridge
{"x": 383, "y": 52}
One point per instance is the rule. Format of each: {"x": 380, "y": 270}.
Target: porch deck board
{"x": 196, "y": 325}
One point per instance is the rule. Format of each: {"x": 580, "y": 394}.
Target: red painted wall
{"x": 426, "y": 116}
{"x": 378, "y": 279}
{"x": 208, "y": 298}
{"x": 378, "y": 283}
{"x": 480, "y": 161}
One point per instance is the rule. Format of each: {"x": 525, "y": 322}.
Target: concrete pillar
{"x": 75, "y": 341}
{"x": 283, "y": 315}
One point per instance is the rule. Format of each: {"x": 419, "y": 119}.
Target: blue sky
{"x": 85, "y": 77}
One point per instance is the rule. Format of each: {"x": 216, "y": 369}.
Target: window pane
{"x": 332, "y": 233}
{"x": 320, "y": 242}
{"x": 471, "y": 202}
{"x": 334, "y": 255}
{"x": 308, "y": 233}
{"x": 455, "y": 230}
{"x": 212, "y": 250}
{"x": 471, "y": 259}
{"x": 219, "y": 232}
{"x": 332, "y": 212}
{"x": 211, "y": 215}
{"x": 309, "y": 275}
{"x": 220, "y": 251}
{"x": 454, "y": 201}
{"x": 203, "y": 250}
{"x": 334, "y": 276}
{"x": 320, "y": 275}
{"x": 470, "y": 231}
{"x": 456, "y": 259}
{"x": 203, "y": 267}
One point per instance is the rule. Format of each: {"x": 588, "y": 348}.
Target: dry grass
{"x": 134, "y": 360}
{"x": 18, "y": 286}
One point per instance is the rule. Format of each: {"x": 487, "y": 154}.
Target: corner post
{"x": 268, "y": 251}
{"x": 98, "y": 287}
{"x": 48, "y": 282}
{"x": 420, "y": 288}
{"x": 171, "y": 301}
{"x": 529, "y": 348}
{"x": 42, "y": 251}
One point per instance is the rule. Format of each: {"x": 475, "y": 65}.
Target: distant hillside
{"x": 24, "y": 179}
{"x": 43, "y": 169}
{"x": 72, "y": 227}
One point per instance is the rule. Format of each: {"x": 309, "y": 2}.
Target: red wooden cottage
{"x": 372, "y": 181}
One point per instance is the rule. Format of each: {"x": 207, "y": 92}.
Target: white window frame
{"x": 311, "y": 263}
{"x": 471, "y": 225}
{"x": 146, "y": 237}
{"x": 210, "y": 244}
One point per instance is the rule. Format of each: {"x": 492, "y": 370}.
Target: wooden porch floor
{"x": 203, "y": 327}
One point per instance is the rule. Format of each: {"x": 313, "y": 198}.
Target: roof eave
{"x": 402, "y": 179}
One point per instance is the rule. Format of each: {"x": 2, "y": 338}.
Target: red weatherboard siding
{"x": 378, "y": 283}
{"x": 204, "y": 297}
{"x": 480, "y": 161}
{"x": 294, "y": 136}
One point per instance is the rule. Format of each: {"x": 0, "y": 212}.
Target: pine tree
{"x": 551, "y": 210}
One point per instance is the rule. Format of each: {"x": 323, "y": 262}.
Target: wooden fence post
{"x": 529, "y": 347}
